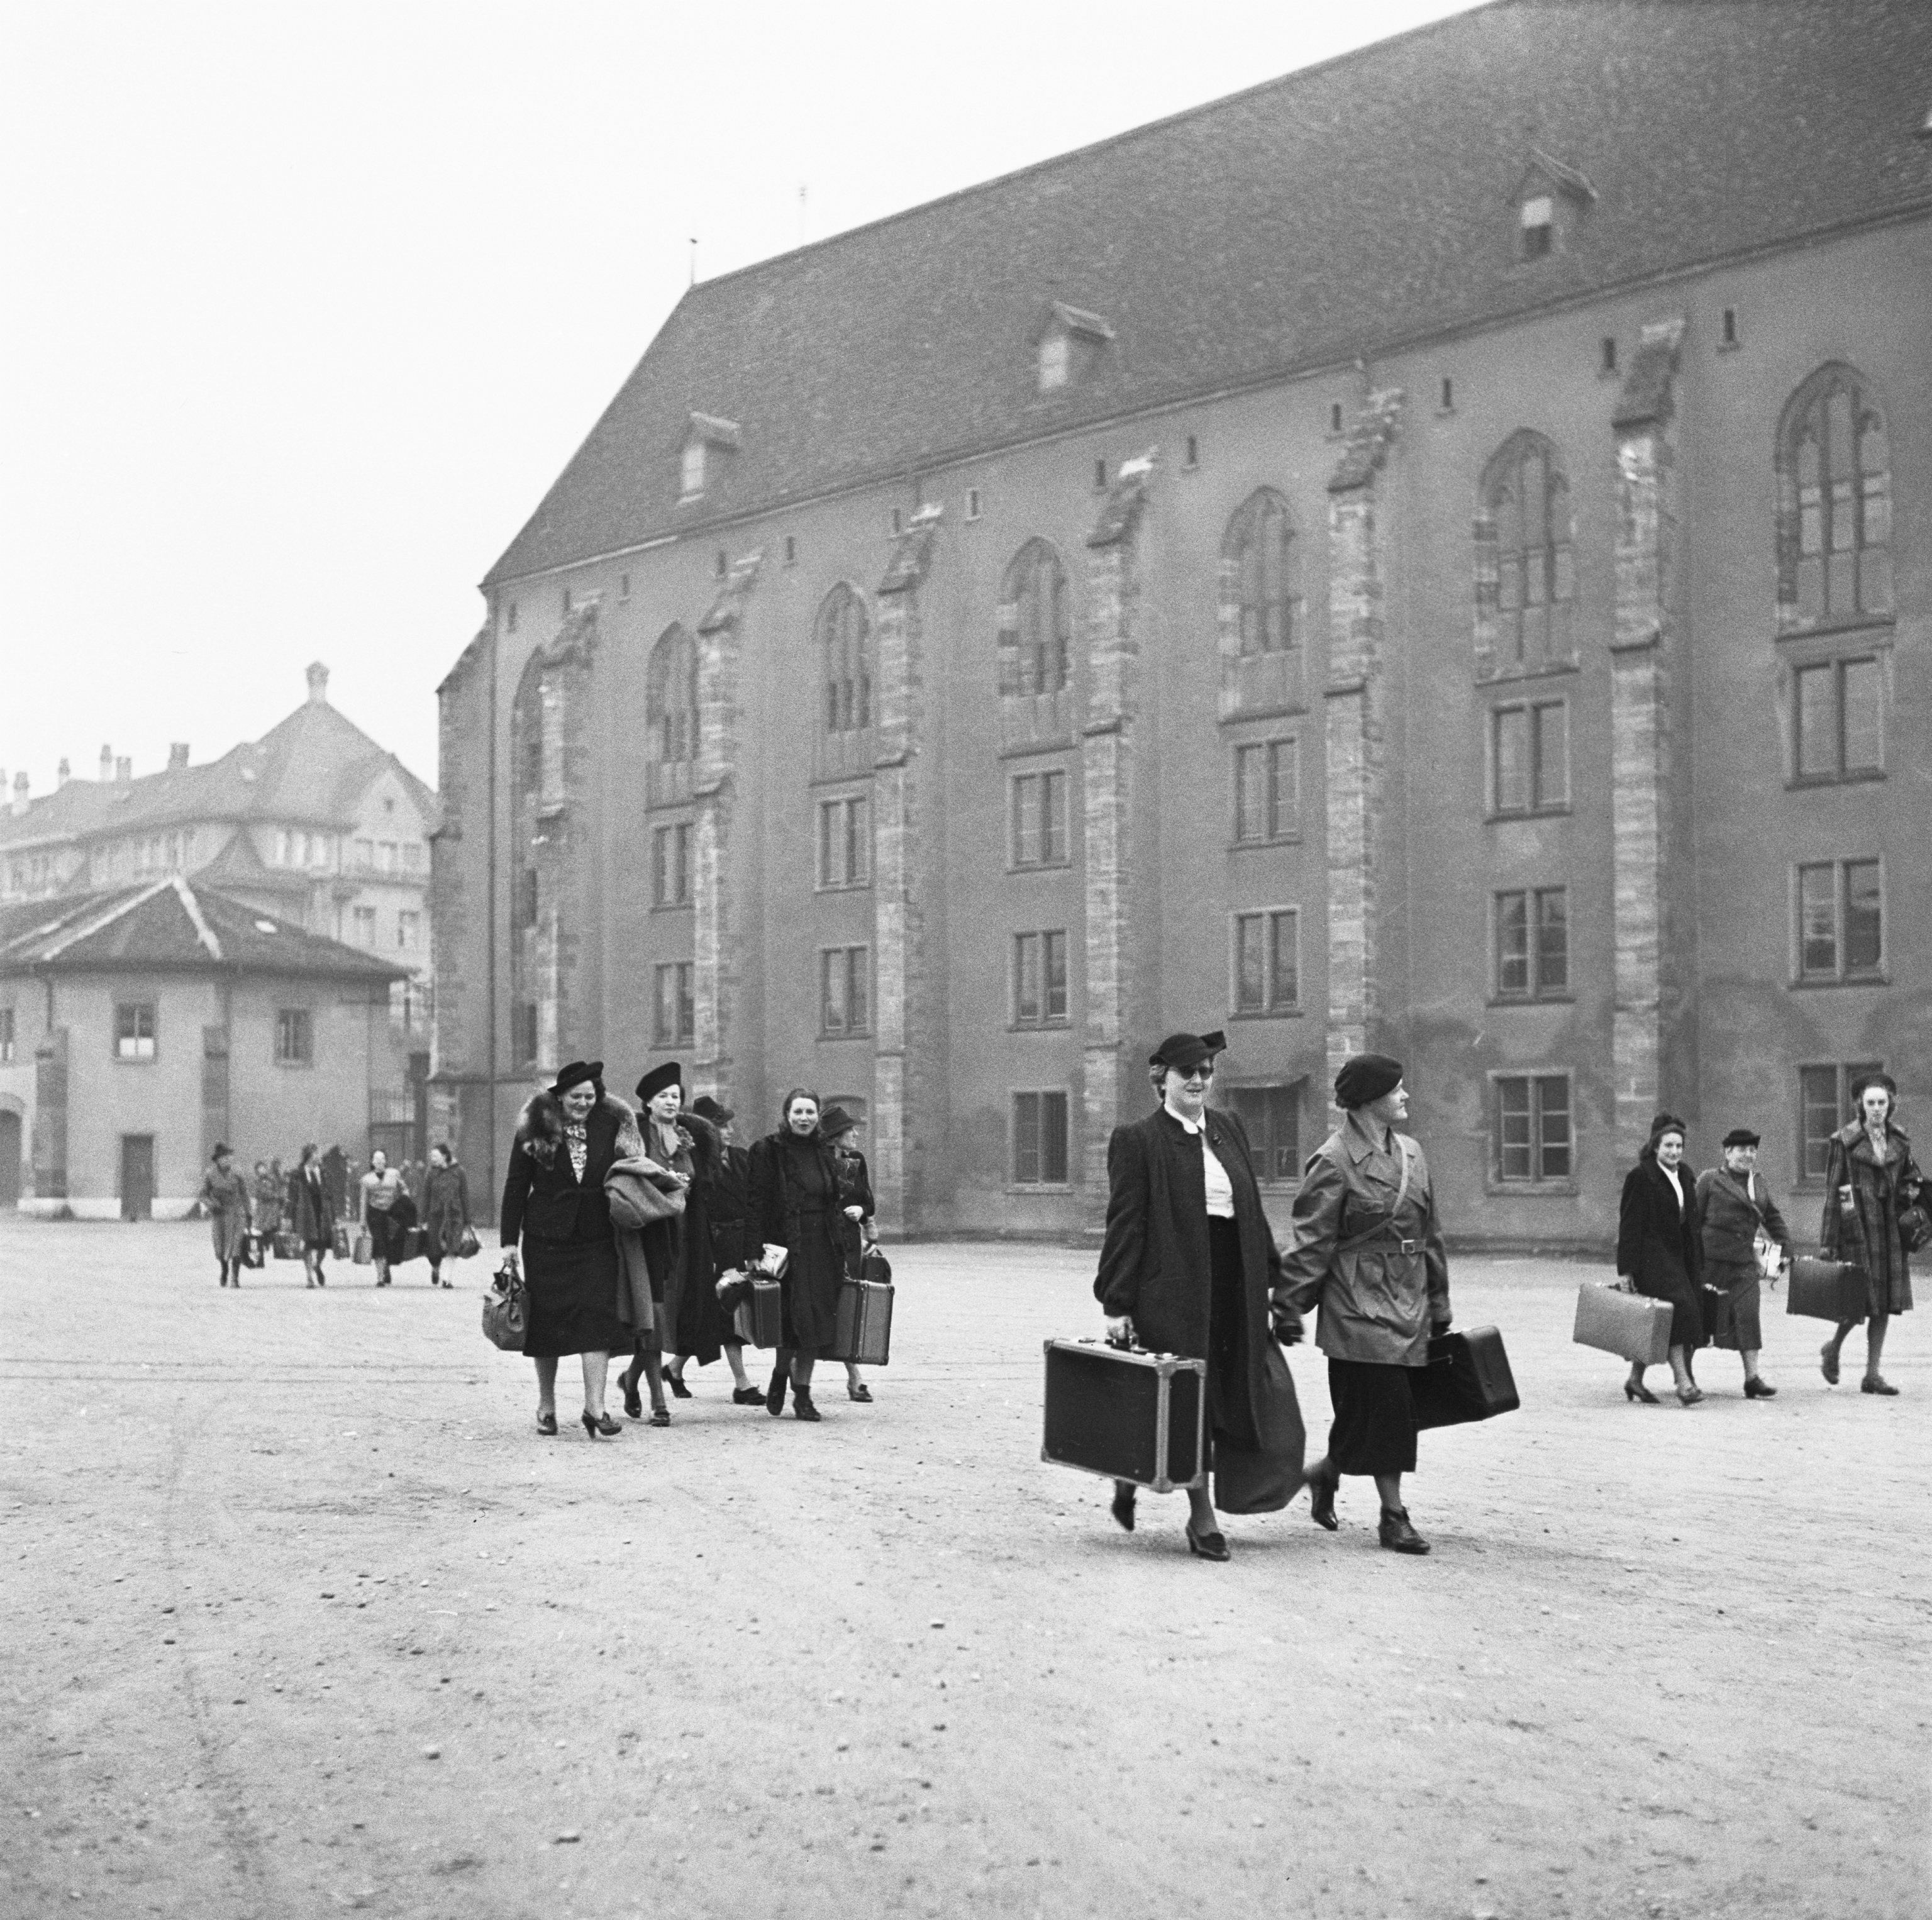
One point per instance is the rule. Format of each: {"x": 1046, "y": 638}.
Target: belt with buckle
{"x": 1410, "y": 1246}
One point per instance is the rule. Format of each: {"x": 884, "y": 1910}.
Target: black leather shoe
{"x": 1873, "y": 1383}
{"x": 633, "y": 1401}
{"x": 595, "y": 1423}
{"x": 660, "y": 1416}
{"x": 546, "y": 1423}
{"x": 748, "y": 1396}
{"x": 802, "y": 1406}
{"x": 775, "y": 1394}
{"x": 1397, "y": 1535}
{"x": 1122, "y": 1506}
{"x": 678, "y": 1390}
{"x": 1759, "y": 1390}
{"x": 1207, "y": 1546}
{"x": 1827, "y": 1363}
{"x": 1321, "y": 1491}
{"x": 857, "y": 1389}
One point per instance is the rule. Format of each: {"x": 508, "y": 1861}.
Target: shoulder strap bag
{"x": 1383, "y": 1225}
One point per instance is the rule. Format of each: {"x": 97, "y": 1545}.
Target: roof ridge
{"x": 88, "y": 928}
{"x": 191, "y": 906}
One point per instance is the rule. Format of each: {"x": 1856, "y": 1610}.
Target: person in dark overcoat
{"x": 669, "y": 1163}
{"x": 1870, "y": 1179}
{"x": 721, "y": 1204}
{"x": 556, "y": 1225}
{"x": 794, "y": 1183}
{"x": 855, "y": 1207}
{"x": 1187, "y": 1266}
{"x": 1660, "y": 1252}
{"x": 231, "y": 1211}
{"x": 268, "y": 1188}
{"x": 1367, "y": 1244}
{"x": 310, "y": 1213}
{"x": 336, "y": 1183}
{"x": 445, "y": 1210}
{"x": 1744, "y": 1237}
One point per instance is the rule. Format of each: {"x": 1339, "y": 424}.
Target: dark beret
{"x": 1661, "y": 1123}
{"x": 1366, "y": 1077}
{"x": 706, "y": 1108}
{"x": 1742, "y": 1136}
{"x": 834, "y": 1121}
{"x": 1874, "y": 1079}
{"x": 670, "y": 1074}
{"x": 1182, "y": 1050}
{"x": 574, "y": 1074}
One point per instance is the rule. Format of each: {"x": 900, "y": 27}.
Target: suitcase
{"x": 364, "y": 1251}
{"x": 1826, "y": 1290}
{"x": 288, "y": 1246}
{"x": 340, "y": 1243}
{"x": 760, "y": 1319}
{"x": 412, "y": 1248}
{"x": 1631, "y": 1325}
{"x": 864, "y": 1334}
{"x": 1467, "y": 1378}
{"x": 1126, "y": 1414}
{"x": 252, "y": 1254}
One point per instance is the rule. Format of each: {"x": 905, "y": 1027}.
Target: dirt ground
{"x": 303, "y": 1616}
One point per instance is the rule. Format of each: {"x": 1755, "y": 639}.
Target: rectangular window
{"x": 1039, "y": 979}
{"x": 134, "y": 1030}
{"x": 365, "y": 926}
{"x": 409, "y": 931}
{"x": 525, "y": 905}
{"x": 674, "y": 1014}
{"x": 413, "y": 855}
{"x": 844, "y": 844}
{"x": 844, "y": 991}
{"x": 282, "y": 848}
{"x": 670, "y": 865}
{"x": 6, "y": 1035}
{"x": 1841, "y": 920}
{"x": 1529, "y": 757}
{"x": 1824, "y": 1105}
{"x": 1268, "y": 802}
{"x": 365, "y": 855}
{"x": 1266, "y": 960}
{"x": 1532, "y": 943}
{"x": 1838, "y": 712}
{"x": 1039, "y": 820}
{"x": 1532, "y": 1127}
{"x": 1039, "y": 1139}
{"x": 1272, "y": 1117}
{"x": 691, "y": 471}
{"x": 295, "y": 1037}
{"x": 385, "y": 856}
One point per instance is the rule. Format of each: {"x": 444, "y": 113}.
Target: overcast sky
{"x": 306, "y": 305}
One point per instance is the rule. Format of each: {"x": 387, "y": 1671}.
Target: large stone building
{"x": 1433, "y": 553}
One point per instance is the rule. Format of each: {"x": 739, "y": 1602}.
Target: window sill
{"x": 1262, "y": 846}
{"x": 1807, "y": 783}
{"x": 856, "y": 1033}
{"x": 1846, "y": 980}
{"x": 1268, "y": 1013}
{"x": 1530, "y": 1189}
{"x": 1515, "y": 672}
{"x": 1043, "y": 866}
{"x": 1532, "y": 1000}
{"x": 296, "y": 1065}
{"x": 1053, "y": 1026}
{"x": 1528, "y": 813}
{"x": 847, "y": 887}
{"x": 1022, "y": 1189}
{"x": 1243, "y": 716}
{"x": 671, "y": 907}
{"x": 673, "y": 1046}
{"x": 1027, "y": 749}
{"x": 153, "y": 1060}
{"x": 1852, "y": 623}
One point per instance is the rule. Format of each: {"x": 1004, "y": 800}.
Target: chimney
{"x": 106, "y": 763}
{"x": 19, "y": 794}
{"x": 318, "y": 684}
{"x": 66, "y": 773}
{"x": 124, "y": 769}
{"x": 177, "y": 755}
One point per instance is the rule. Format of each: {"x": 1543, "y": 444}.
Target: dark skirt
{"x": 812, "y": 1278}
{"x": 1734, "y": 1293}
{"x": 1227, "y": 1354}
{"x": 387, "y": 1226}
{"x": 1374, "y": 1428}
{"x": 1687, "y": 1315}
{"x": 573, "y": 1298}
{"x": 703, "y": 1329}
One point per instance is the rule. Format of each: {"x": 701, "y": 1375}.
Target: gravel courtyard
{"x": 303, "y": 1617}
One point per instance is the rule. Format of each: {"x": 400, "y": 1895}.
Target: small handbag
{"x": 506, "y": 1312}
{"x": 467, "y": 1245}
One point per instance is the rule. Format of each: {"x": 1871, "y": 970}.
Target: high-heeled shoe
{"x": 595, "y": 1423}
{"x": 1827, "y": 1363}
{"x": 1690, "y": 1395}
{"x": 633, "y": 1401}
{"x": 775, "y": 1394}
{"x": 1207, "y": 1546}
{"x": 1321, "y": 1491}
{"x": 660, "y": 1416}
{"x": 857, "y": 1389}
{"x": 680, "y": 1391}
{"x": 1122, "y": 1505}
{"x": 1635, "y": 1390}
{"x": 802, "y": 1406}
{"x": 546, "y": 1423}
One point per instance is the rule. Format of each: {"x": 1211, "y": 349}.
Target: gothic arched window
{"x": 844, "y": 634}
{"x": 1259, "y": 575}
{"x": 1525, "y": 569}
{"x": 1835, "y": 503}
{"x": 670, "y": 699}
{"x": 1035, "y": 623}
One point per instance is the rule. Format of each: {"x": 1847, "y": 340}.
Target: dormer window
{"x": 1068, "y": 346}
{"x": 706, "y": 439}
{"x": 1053, "y": 359}
{"x": 1550, "y": 197}
{"x": 693, "y": 478}
{"x": 1539, "y": 226}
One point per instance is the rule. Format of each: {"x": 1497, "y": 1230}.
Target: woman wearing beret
{"x": 1740, "y": 1227}
{"x": 1869, "y": 1180}
{"x": 1660, "y": 1253}
{"x": 1367, "y": 1245}
{"x": 554, "y": 1205}
{"x": 231, "y": 1211}
{"x": 1186, "y": 1267}
{"x": 794, "y": 1183}
{"x": 836, "y": 1126}
{"x": 666, "y": 1163}
{"x": 696, "y": 1327}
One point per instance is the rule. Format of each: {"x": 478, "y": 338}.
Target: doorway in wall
{"x": 10, "y": 1160}
{"x": 137, "y": 1176}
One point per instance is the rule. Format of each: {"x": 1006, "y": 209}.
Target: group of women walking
{"x": 635, "y": 1232}
{"x": 1707, "y": 1245}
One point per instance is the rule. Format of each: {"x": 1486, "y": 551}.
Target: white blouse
{"x": 1220, "y": 1188}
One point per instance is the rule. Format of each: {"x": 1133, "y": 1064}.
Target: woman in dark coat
{"x": 445, "y": 1210}
{"x": 1187, "y": 1267}
{"x": 717, "y": 1213}
{"x": 668, "y": 1162}
{"x": 231, "y": 1211}
{"x": 794, "y": 1182}
{"x": 855, "y": 1207}
{"x": 1660, "y": 1252}
{"x": 310, "y": 1213}
{"x": 1744, "y": 1237}
{"x": 1869, "y": 1180}
{"x": 268, "y": 1188}
{"x": 554, "y": 1204}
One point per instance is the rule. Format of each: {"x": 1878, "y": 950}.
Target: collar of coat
{"x": 1897, "y": 1146}
{"x": 1359, "y": 1143}
{"x": 540, "y": 1126}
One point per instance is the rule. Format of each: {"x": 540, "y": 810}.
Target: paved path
{"x": 303, "y": 1617}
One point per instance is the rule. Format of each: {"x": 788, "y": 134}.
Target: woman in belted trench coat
{"x": 1185, "y": 1268}
{"x": 1366, "y": 1244}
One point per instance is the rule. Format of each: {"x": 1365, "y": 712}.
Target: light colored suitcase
{"x": 1632, "y": 1325}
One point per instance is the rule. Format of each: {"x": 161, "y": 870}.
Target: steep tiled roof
{"x": 1340, "y": 211}
{"x": 171, "y": 925}
{"x": 238, "y": 865}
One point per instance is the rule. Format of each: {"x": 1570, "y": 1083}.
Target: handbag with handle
{"x": 467, "y": 1245}
{"x": 506, "y": 1309}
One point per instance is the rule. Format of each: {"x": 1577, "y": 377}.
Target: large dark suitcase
{"x": 864, "y": 1333}
{"x": 1467, "y": 1378}
{"x": 760, "y": 1317}
{"x": 288, "y": 1246}
{"x": 1126, "y": 1414}
{"x": 1827, "y": 1290}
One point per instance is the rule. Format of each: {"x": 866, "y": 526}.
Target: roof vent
{"x": 124, "y": 769}
{"x": 65, "y": 774}
{"x": 318, "y": 684}
{"x": 20, "y": 786}
{"x": 1069, "y": 341}
{"x": 177, "y": 755}
{"x": 106, "y": 763}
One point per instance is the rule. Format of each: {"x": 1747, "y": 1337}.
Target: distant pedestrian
{"x": 1869, "y": 1180}
{"x": 1367, "y": 1245}
{"x": 794, "y": 1183}
{"x": 1660, "y": 1253}
{"x": 857, "y": 1205}
{"x": 386, "y": 1213}
{"x": 268, "y": 1192}
{"x": 445, "y": 1211}
{"x": 1744, "y": 1236}
{"x": 335, "y": 1182}
{"x": 309, "y": 1214}
{"x": 231, "y": 1212}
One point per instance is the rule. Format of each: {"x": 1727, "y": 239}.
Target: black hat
{"x": 836, "y": 1121}
{"x": 574, "y": 1074}
{"x": 670, "y": 1074}
{"x": 1742, "y": 1136}
{"x": 220, "y": 1146}
{"x": 706, "y": 1108}
{"x": 1366, "y": 1077}
{"x": 1877, "y": 1077}
{"x": 1661, "y": 1123}
{"x": 1182, "y": 1050}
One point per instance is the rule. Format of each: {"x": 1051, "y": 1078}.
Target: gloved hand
{"x": 1286, "y": 1322}
{"x": 1119, "y": 1330}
